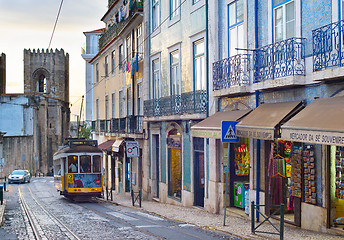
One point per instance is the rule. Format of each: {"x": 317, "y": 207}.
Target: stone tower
{"x": 46, "y": 76}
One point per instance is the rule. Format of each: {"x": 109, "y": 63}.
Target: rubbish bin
{"x": 1, "y": 193}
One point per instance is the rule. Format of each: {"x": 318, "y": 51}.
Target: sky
{"x": 28, "y": 24}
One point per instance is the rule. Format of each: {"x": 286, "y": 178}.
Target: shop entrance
{"x": 199, "y": 178}
{"x": 239, "y": 169}
{"x": 127, "y": 174}
{"x": 174, "y": 164}
{"x": 284, "y": 178}
{"x": 155, "y": 165}
{"x": 337, "y": 187}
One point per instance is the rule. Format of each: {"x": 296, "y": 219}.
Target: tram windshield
{"x": 73, "y": 164}
{"x": 85, "y": 164}
{"x": 96, "y": 164}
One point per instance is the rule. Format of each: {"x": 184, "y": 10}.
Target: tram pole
{"x": 226, "y": 190}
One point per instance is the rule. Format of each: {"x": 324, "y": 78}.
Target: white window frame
{"x": 106, "y": 104}
{"x": 97, "y": 109}
{"x": 171, "y": 50}
{"x": 106, "y": 66}
{"x": 113, "y": 62}
{"x": 175, "y": 12}
{"x": 128, "y": 49}
{"x": 156, "y": 20}
{"x": 139, "y": 40}
{"x": 235, "y": 26}
{"x": 193, "y": 39}
{"x": 120, "y": 58}
{"x": 203, "y": 70}
{"x": 113, "y": 105}
{"x": 282, "y": 6}
{"x": 156, "y": 72}
{"x": 297, "y": 6}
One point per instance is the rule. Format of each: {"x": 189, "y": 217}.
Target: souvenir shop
{"x": 239, "y": 170}
{"x": 291, "y": 177}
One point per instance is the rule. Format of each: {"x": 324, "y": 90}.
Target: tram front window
{"x": 96, "y": 164}
{"x": 85, "y": 164}
{"x": 72, "y": 164}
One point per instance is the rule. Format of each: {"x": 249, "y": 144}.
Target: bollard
{"x": 5, "y": 186}
{"x": 140, "y": 197}
{"x": 1, "y": 194}
{"x": 5, "y": 178}
{"x": 132, "y": 197}
{"x": 282, "y": 223}
{"x": 107, "y": 194}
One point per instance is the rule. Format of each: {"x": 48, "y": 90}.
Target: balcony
{"x": 282, "y": 60}
{"x": 328, "y": 50}
{"x": 135, "y": 6}
{"x": 232, "y": 73}
{"x": 186, "y": 103}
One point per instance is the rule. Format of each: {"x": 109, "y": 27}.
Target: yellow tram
{"x": 78, "y": 171}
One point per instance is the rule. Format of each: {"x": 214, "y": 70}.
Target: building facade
{"x": 118, "y": 94}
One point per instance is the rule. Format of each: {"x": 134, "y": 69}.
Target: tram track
{"x": 37, "y": 232}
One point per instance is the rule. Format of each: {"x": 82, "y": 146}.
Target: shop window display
{"x": 337, "y": 184}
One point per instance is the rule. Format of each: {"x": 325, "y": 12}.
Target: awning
{"x": 106, "y": 146}
{"x": 116, "y": 145}
{"x": 264, "y": 122}
{"x": 321, "y": 122}
{"x": 211, "y": 126}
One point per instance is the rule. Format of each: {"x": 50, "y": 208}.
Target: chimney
{"x": 2, "y": 73}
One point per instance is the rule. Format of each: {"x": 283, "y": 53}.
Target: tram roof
{"x": 78, "y": 149}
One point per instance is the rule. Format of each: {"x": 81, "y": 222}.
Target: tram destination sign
{"x": 316, "y": 137}
{"x": 132, "y": 148}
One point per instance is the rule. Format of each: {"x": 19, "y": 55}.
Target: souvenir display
{"x": 309, "y": 175}
{"x": 340, "y": 172}
{"x": 242, "y": 160}
{"x": 296, "y": 165}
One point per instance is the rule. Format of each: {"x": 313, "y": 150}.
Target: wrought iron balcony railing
{"x": 281, "y": 59}
{"x": 328, "y": 46}
{"x": 232, "y": 71}
{"x": 191, "y": 102}
{"x": 93, "y": 126}
{"x": 134, "y": 6}
{"x": 122, "y": 124}
{"x": 101, "y": 125}
{"x": 134, "y": 124}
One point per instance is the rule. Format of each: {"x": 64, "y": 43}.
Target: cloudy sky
{"x": 28, "y": 24}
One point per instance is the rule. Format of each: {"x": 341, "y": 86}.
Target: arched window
{"x": 42, "y": 83}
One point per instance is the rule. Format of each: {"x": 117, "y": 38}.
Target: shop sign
{"x": 316, "y": 137}
{"x": 267, "y": 134}
{"x": 206, "y": 133}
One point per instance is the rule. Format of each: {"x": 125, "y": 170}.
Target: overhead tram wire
{"x": 52, "y": 34}
{"x": 117, "y": 66}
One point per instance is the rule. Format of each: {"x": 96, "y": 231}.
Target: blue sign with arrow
{"x": 228, "y": 133}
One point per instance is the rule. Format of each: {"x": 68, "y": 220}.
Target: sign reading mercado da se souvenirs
{"x": 317, "y": 137}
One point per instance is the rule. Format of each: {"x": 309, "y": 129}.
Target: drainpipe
{"x": 257, "y": 104}
{"x": 207, "y": 53}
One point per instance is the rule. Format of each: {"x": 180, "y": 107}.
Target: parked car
{"x": 19, "y": 176}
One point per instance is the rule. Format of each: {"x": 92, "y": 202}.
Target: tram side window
{"x": 96, "y": 164}
{"x": 72, "y": 164}
{"x": 85, "y": 164}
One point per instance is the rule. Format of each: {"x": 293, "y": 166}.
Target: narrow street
{"x": 36, "y": 211}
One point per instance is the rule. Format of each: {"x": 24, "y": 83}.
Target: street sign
{"x": 133, "y": 149}
{"x": 228, "y": 133}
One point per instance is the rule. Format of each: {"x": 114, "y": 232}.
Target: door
{"x": 127, "y": 174}
{"x": 120, "y": 177}
{"x": 199, "y": 176}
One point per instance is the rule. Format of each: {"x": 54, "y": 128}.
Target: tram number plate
{"x": 70, "y": 178}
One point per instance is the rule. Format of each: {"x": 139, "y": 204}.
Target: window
{"x": 120, "y": 56}
{"x": 199, "y": 65}
{"x": 175, "y": 73}
{"x": 139, "y": 100}
{"x": 106, "y": 107}
{"x": 85, "y": 164}
{"x": 96, "y": 164}
{"x": 284, "y": 20}
{"x": 72, "y": 164}
{"x": 97, "y": 109}
{"x": 106, "y": 66}
{"x": 139, "y": 42}
{"x": 120, "y": 103}
{"x": 156, "y": 78}
{"x": 128, "y": 48}
{"x": 97, "y": 73}
{"x": 42, "y": 84}
{"x": 129, "y": 101}
{"x": 155, "y": 14}
{"x": 113, "y": 62}
{"x": 195, "y": 1}
{"x": 174, "y": 8}
{"x": 236, "y": 26}
{"x": 113, "y": 101}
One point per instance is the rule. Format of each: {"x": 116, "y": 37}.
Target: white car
{"x": 19, "y": 176}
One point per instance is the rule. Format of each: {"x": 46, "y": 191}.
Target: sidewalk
{"x": 237, "y": 225}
